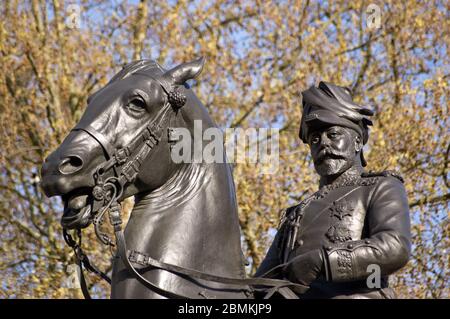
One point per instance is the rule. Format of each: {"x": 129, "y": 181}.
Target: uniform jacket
{"x": 358, "y": 222}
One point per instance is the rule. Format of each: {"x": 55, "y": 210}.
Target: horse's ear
{"x": 183, "y": 72}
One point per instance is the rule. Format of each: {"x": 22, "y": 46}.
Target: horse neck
{"x": 191, "y": 221}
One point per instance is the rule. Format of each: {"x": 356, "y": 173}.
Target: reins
{"x": 83, "y": 260}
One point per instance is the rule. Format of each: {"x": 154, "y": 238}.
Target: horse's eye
{"x": 137, "y": 104}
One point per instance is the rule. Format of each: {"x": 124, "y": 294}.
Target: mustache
{"x": 327, "y": 153}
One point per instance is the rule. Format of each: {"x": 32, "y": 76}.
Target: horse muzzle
{"x": 77, "y": 210}
{"x": 68, "y": 172}
{"x": 77, "y": 196}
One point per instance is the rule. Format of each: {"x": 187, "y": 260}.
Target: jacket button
{"x": 349, "y": 246}
{"x": 367, "y": 241}
{"x": 300, "y": 242}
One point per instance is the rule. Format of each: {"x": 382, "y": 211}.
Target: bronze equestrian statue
{"x": 355, "y": 220}
{"x": 183, "y": 238}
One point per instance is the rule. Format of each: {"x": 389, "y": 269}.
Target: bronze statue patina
{"x": 182, "y": 239}
{"x": 355, "y": 222}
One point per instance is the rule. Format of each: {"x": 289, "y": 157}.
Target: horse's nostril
{"x": 70, "y": 164}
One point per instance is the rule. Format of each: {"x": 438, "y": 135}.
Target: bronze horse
{"x": 185, "y": 214}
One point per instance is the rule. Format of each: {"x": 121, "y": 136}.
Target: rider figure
{"x": 356, "y": 223}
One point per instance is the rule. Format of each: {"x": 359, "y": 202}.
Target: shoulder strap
{"x": 384, "y": 174}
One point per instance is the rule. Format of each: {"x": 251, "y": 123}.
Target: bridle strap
{"x": 146, "y": 260}
{"x": 83, "y": 260}
{"x": 121, "y": 251}
{"x": 99, "y": 137}
{"x": 127, "y": 169}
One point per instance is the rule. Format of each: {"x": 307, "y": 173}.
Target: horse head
{"x": 137, "y": 106}
{"x": 185, "y": 213}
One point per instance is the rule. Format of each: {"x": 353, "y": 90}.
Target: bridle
{"x": 125, "y": 164}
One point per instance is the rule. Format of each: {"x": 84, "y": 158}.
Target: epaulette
{"x": 383, "y": 173}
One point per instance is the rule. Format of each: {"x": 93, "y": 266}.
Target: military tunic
{"x": 360, "y": 221}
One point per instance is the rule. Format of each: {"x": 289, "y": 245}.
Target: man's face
{"x": 333, "y": 149}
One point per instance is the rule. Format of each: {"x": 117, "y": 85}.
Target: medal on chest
{"x": 341, "y": 213}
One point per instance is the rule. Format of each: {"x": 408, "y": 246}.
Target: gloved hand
{"x": 305, "y": 268}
